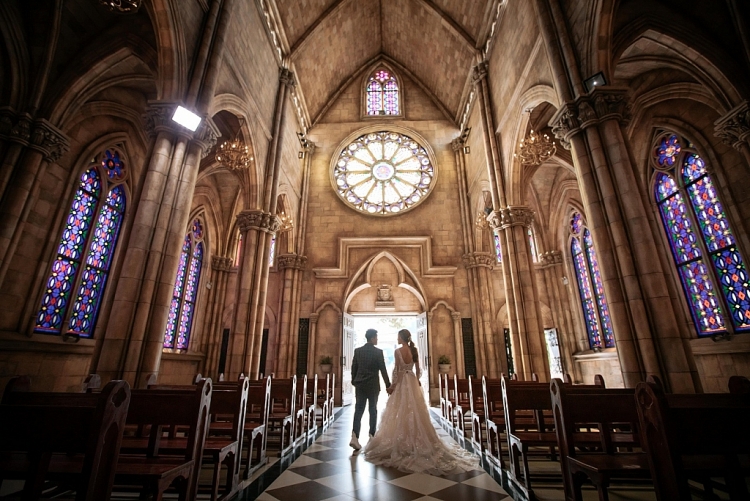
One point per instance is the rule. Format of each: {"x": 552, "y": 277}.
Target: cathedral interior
{"x": 535, "y": 187}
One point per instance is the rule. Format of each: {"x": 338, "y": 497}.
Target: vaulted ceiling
{"x": 437, "y": 41}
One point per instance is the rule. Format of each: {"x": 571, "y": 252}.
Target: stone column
{"x": 43, "y": 143}
{"x": 220, "y": 268}
{"x": 634, "y": 282}
{"x": 734, "y": 129}
{"x": 458, "y": 340}
{"x": 131, "y": 348}
{"x": 479, "y": 265}
{"x": 529, "y": 354}
{"x": 551, "y": 265}
{"x": 291, "y": 265}
{"x": 253, "y": 226}
{"x": 312, "y": 355}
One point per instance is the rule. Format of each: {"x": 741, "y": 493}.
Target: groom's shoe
{"x": 355, "y": 442}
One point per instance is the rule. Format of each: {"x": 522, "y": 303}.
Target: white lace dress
{"x": 406, "y": 438}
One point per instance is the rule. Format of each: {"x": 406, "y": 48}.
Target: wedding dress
{"x": 406, "y": 438}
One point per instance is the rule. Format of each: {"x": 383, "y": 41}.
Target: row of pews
{"x": 683, "y": 444}
{"x": 155, "y": 439}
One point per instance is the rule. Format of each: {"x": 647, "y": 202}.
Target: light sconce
{"x": 301, "y": 155}
{"x": 565, "y": 280}
{"x": 595, "y": 81}
{"x": 467, "y": 150}
{"x": 186, "y": 118}
{"x": 122, "y": 6}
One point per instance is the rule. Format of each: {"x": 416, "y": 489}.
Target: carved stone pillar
{"x": 734, "y": 130}
{"x": 312, "y": 354}
{"x": 292, "y": 266}
{"x": 634, "y": 281}
{"x": 524, "y": 314}
{"x": 254, "y": 225}
{"x": 479, "y": 265}
{"x": 220, "y": 268}
{"x": 132, "y": 346}
{"x": 42, "y": 143}
{"x": 551, "y": 266}
{"x": 458, "y": 341}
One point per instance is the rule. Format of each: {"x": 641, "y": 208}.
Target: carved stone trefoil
{"x": 734, "y": 127}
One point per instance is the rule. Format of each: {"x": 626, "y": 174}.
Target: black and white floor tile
{"x": 329, "y": 470}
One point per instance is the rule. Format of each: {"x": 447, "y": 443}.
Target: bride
{"x": 406, "y": 438}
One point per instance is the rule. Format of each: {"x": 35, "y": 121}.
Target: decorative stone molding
{"x": 7, "y": 116}
{"x": 456, "y": 315}
{"x": 458, "y": 144}
{"x": 550, "y": 258}
{"x": 221, "y": 263}
{"x": 601, "y": 104}
{"x": 258, "y": 220}
{"x": 292, "y": 262}
{"x": 286, "y": 77}
{"x": 511, "y": 216}
{"x": 734, "y": 127}
{"x": 49, "y": 140}
{"x": 158, "y": 118}
{"x": 314, "y": 318}
{"x": 479, "y": 72}
{"x": 479, "y": 259}
{"x": 21, "y": 130}
{"x": 206, "y": 136}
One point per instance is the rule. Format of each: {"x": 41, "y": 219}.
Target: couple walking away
{"x": 406, "y": 439}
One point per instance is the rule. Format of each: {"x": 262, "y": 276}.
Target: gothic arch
{"x": 171, "y": 49}
{"x": 361, "y": 279}
{"x": 17, "y": 56}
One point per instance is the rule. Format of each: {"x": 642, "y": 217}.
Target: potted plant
{"x": 326, "y": 363}
{"x": 444, "y": 364}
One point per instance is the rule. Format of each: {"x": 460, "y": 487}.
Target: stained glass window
{"x": 498, "y": 248}
{"x": 383, "y": 173}
{"x": 272, "y": 252}
{"x": 590, "y": 286}
{"x": 185, "y": 291}
{"x": 382, "y": 94}
{"x": 532, "y": 244}
{"x": 703, "y": 247}
{"x": 75, "y": 286}
{"x": 238, "y": 251}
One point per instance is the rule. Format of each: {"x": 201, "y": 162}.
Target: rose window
{"x": 383, "y": 173}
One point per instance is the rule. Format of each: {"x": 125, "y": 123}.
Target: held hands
{"x": 389, "y": 390}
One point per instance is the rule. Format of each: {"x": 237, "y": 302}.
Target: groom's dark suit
{"x": 368, "y": 361}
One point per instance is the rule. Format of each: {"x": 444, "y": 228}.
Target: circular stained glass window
{"x": 383, "y": 173}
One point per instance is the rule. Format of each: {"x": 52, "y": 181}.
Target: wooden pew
{"x": 450, "y": 402}
{"x": 300, "y": 410}
{"x": 527, "y": 425}
{"x": 311, "y": 401}
{"x": 69, "y": 437}
{"x": 492, "y": 394}
{"x": 615, "y": 427}
{"x": 332, "y": 400}
{"x": 323, "y": 402}
{"x": 92, "y": 383}
{"x": 282, "y": 413}
{"x": 461, "y": 407}
{"x": 441, "y": 392}
{"x": 694, "y": 437}
{"x": 256, "y": 425}
{"x": 151, "y": 411}
{"x": 476, "y": 408}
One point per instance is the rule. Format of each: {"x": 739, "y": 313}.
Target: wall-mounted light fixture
{"x": 186, "y": 118}
{"x": 467, "y": 150}
{"x": 301, "y": 155}
{"x": 595, "y": 81}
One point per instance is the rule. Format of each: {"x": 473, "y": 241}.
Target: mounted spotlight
{"x": 186, "y": 118}
{"x": 595, "y": 81}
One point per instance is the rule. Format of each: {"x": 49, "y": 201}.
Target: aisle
{"x": 328, "y": 470}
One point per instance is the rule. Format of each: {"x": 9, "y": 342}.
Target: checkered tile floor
{"x": 330, "y": 470}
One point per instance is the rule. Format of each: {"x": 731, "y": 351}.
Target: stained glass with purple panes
{"x": 668, "y": 149}
{"x": 601, "y": 300}
{"x": 57, "y": 296}
{"x": 390, "y": 101}
{"x": 677, "y": 223}
{"x": 576, "y": 222}
{"x": 710, "y": 214}
{"x": 113, "y": 165}
{"x": 587, "y": 297}
{"x": 693, "y": 168}
{"x": 498, "y": 248}
{"x": 188, "y": 304}
{"x": 382, "y": 94}
{"x": 735, "y": 285}
{"x": 88, "y": 300}
{"x": 177, "y": 293}
{"x": 374, "y": 98}
{"x": 705, "y": 306}
{"x": 532, "y": 244}
{"x": 197, "y": 229}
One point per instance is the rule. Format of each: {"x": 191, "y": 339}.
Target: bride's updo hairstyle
{"x": 405, "y": 336}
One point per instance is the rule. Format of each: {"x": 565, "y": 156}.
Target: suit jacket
{"x": 368, "y": 361}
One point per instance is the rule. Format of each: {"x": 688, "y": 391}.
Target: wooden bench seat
{"x": 282, "y": 414}
{"x": 71, "y": 438}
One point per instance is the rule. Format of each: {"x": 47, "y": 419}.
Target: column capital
{"x": 49, "y": 140}
{"x": 456, "y": 315}
{"x": 286, "y": 77}
{"x": 511, "y": 216}
{"x": 158, "y": 118}
{"x": 550, "y": 258}
{"x": 734, "y": 127}
{"x": 258, "y": 220}
{"x": 458, "y": 144}
{"x": 221, "y": 263}
{"x": 206, "y": 136}
{"x": 314, "y": 318}
{"x": 479, "y": 260}
{"x": 603, "y": 103}
{"x": 292, "y": 262}
{"x": 7, "y": 121}
{"x": 479, "y": 72}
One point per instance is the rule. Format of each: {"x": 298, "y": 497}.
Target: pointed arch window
{"x": 185, "y": 292}
{"x": 498, "y": 247}
{"x": 272, "y": 252}
{"x": 532, "y": 244}
{"x": 76, "y": 283}
{"x": 590, "y": 286}
{"x": 703, "y": 246}
{"x": 382, "y": 94}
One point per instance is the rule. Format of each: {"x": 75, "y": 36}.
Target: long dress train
{"x": 406, "y": 438}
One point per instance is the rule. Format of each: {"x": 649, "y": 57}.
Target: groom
{"x": 368, "y": 361}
